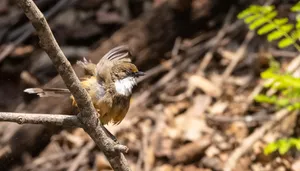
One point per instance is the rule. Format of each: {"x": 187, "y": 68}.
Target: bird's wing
{"x": 94, "y": 87}
{"x": 117, "y": 54}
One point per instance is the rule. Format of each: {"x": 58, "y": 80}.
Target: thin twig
{"x": 37, "y": 118}
{"x": 240, "y": 53}
{"x": 216, "y": 40}
{"x": 88, "y": 114}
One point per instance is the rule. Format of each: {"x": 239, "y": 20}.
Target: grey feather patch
{"x": 48, "y": 92}
{"x": 118, "y": 53}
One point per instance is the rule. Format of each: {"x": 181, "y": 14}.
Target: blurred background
{"x": 190, "y": 112}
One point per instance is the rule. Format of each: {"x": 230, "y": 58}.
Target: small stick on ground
{"x": 238, "y": 56}
{"x": 83, "y": 154}
{"x": 255, "y": 136}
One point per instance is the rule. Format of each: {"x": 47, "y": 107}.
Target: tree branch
{"x": 88, "y": 114}
{"x": 37, "y": 118}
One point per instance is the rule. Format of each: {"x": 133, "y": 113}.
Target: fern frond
{"x": 263, "y": 18}
{"x": 282, "y": 146}
{"x": 271, "y": 26}
{"x": 285, "y": 42}
{"x": 298, "y": 21}
{"x": 287, "y": 85}
{"x": 296, "y": 7}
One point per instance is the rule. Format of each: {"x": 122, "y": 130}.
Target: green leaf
{"x": 266, "y": 28}
{"x": 257, "y": 23}
{"x": 270, "y": 72}
{"x": 275, "y": 35}
{"x": 296, "y": 8}
{"x": 291, "y": 81}
{"x": 270, "y": 148}
{"x": 255, "y": 8}
{"x": 280, "y": 21}
{"x": 286, "y": 28}
{"x": 296, "y": 143}
{"x": 244, "y": 14}
{"x": 285, "y": 42}
{"x": 298, "y": 25}
{"x": 266, "y": 99}
{"x": 266, "y": 9}
{"x": 251, "y": 18}
{"x": 298, "y": 17}
{"x": 284, "y": 146}
{"x": 262, "y": 98}
{"x": 271, "y": 15}
{"x": 252, "y": 9}
{"x": 298, "y": 21}
{"x": 274, "y": 65}
{"x": 282, "y": 102}
{"x": 296, "y": 34}
{"x": 294, "y": 106}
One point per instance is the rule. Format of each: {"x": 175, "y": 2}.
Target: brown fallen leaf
{"x": 218, "y": 108}
{"x": 176, "y": 108}
{"x": 194, "y": 116}
{"x": 296, "y": 165}
{"x": 190, "y": 151}
{"x": 205, "y": 85}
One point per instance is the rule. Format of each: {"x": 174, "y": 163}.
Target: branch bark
{"x": 37, "y": 118}
{"x": 88, "y": 114}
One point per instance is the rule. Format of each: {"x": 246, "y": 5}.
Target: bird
{"x": 109, "y": 83}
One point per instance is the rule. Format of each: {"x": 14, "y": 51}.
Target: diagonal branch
{"x": 88, "y": 114}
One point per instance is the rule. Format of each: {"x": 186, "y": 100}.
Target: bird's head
{"x": 116, "y": 69}
{"x": 124, "y": 76}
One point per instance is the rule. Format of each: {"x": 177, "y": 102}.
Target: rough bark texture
{"x": 26, "y": 118}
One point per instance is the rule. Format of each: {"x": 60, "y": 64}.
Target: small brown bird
{"x": 109, "y": 83}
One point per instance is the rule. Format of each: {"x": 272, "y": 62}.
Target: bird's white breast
{"x": 124, "y": 86}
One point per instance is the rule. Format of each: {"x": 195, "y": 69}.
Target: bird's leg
{"x": 110, "y": 135}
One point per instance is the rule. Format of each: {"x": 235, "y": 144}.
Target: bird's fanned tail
{"x": 48, "y": 92}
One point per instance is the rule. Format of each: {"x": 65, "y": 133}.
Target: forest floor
{"x": 193, "y": 111}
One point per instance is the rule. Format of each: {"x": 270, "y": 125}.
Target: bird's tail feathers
{"x": 48, "y": 92}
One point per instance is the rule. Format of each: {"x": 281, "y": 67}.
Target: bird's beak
{"x": 139, "y": 73}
